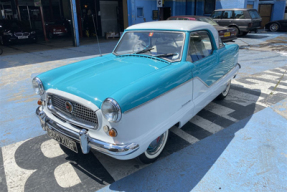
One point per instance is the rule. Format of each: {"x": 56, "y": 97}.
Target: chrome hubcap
{"x": 156, "y": 144}
{"x": 274, "y": 27}
{"x": 225, "y": 92}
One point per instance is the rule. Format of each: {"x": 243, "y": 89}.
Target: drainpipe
{"x": 43, "y": 24}
{"x": 51, "y": 9}
{"x": 185, "y": 7}
{"x": 75, "y": 23}
{"x": 18, "y": 10}
{"x": 195, "y": 2}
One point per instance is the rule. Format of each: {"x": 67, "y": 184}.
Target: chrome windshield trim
{"x": 70, "y": 120}
{"x": 144, "y": 30}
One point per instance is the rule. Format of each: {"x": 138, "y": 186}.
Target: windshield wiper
{"x": 144, "y": 50}
{"x": 165, "y": 55}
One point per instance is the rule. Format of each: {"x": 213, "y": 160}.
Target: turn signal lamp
{"x": 40, "y": 102}
{"x": 113, "y": 132}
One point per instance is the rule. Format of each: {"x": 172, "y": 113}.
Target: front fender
{"x": 153, "y": 85}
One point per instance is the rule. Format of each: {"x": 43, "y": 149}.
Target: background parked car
{"x": 242, "y": 20}
{"x": 13, "y": 31}
{"x": 56, "y": 28}
{"x": 279, "y": 25}
{"x": 225, "y": 33}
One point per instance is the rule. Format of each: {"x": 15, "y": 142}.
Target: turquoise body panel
{"x": 101, "y": 77}
{"x": 210, "y": 69}
{"x": 133, "y": 80}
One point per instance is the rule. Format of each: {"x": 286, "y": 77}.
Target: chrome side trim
{"x": 220, "y": 77}
{"x": 83, "y": 137}
{"x": 69, "y": 119}
{"x": 146, "y": 30}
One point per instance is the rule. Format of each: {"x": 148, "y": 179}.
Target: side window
{"x": 216, "y": 14}
{"x": 199, "y": 46}
{"x": 238, "y": 15}
{"x": 227, "y": 15}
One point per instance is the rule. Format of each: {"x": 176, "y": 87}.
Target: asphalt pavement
{"x": 233, "y": 145}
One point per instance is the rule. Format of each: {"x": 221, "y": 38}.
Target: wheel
{"x": 154, "y": 149}
{"x": 237, "y": 31}
{"x": 274, "y": 27}
{"x": 222, "y": 95}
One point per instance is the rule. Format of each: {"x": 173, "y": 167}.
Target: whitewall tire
{"x": 225, "y": 92}
{"x": 154, "y": 149}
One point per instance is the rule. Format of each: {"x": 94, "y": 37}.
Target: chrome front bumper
{"x": 86, "y": 142}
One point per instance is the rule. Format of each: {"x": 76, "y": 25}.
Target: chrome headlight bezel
{"x": 38, "y": 86}
{"x": 111, "y": 104}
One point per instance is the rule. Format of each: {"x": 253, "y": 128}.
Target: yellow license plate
{"x": 226, "y": 34}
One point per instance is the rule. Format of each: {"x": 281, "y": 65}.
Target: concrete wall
{"x": 255, "y": 3}
{"x": 226, "y": 4}
{"x": 186, "y": 7}
{"x": 148, "y": 7}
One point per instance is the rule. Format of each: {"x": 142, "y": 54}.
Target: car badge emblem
{"x": 69, "y": 106}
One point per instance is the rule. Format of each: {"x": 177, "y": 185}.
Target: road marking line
{"x": 242, "y": 98}
{"x": 66, "y": 176}
{"x": 267, "y": 85}
{"x": 119, "y": 169}
{"x": 16, "y": 177}
{"x": 184, "y": 135}
{"x": 254, "y": 87}
{"x": 51, "y": 149}
{"x": 220, "y": 110}
{"x": 205, "y": 124}
{"x": 274, "y": 74}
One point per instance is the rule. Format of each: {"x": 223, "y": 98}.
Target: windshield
{"x": 167, "y": 45}
{"x": 207, "y": 20}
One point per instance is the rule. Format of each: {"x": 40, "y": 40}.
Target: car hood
{"x": 98, "y": 78}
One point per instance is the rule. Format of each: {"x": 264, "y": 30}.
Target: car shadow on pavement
{"x": 181, "y": 166}
{"x": 259, "y": 36}
{"x": 184, "y": 169}
{"x": 57, "y": 171}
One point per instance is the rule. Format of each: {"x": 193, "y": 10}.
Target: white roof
{"x": 179, "y": 25}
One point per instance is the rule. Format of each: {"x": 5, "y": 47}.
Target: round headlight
{"x": 38, "y": 86}
{"x": 111, "y": 110}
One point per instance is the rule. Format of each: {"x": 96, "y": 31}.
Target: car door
{"x": 216, "y": 16}
{"x": 205, "y": 60}
{"x": 227, "y": 18}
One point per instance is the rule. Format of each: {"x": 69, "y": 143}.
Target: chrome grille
{"x": 79, "y": 111}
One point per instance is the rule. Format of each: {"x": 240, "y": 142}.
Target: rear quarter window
{"x": 238, "y": 15}
{"x": 254, "y": 14}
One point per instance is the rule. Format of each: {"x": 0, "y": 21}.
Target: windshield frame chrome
{"x": 152, "y": 31}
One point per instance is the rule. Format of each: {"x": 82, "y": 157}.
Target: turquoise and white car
{"x": 123, "y": 104}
